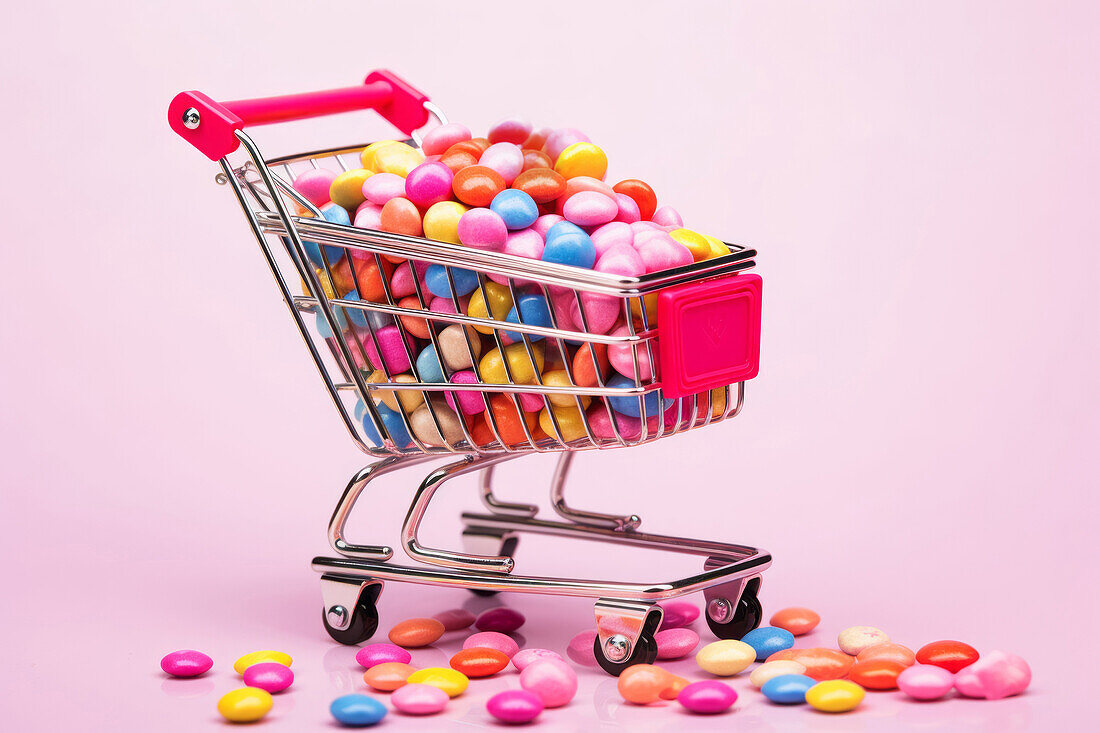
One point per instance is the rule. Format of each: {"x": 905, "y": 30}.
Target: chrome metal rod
{"x": 578, "y": 516}
{"x": 495, "y": 505}
{"x": 419, "y": 506}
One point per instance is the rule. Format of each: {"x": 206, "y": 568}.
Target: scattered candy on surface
{"x": 788, "y": 689}
{"x": 820, "y": 663}
{"x": 186, "y": 663}
{"x": 951, "y": 655}
{"x": 725, "y": 658}
{"x": 581, "y": 649}
{"x": 769, "y": 670}
{"x": 675, "y": 613}
{"x": 768, "y": 640}
{"x": 416, "y": 632}
{"x": 552, "y": 680}
{"x": 797, "y": 620}
{"x": 479, "y": 661}
{"x": 835, "y": 696}
{"x": 270, "y": 676}
{"x": 708, "y": 697}
{"x": 455, "y": 619}
{"x": 889, "y": 651}
{"x": 449, "y": 680}
{"x": 245, "y": 704}
{"x": 994, "y": 676}
{"x": 502, "y": 619}
{"x": 419, "y": 699}
{"x": 855, "y": 639}
{"x": 388, "y": 676}
{"x": 374, "y": 654}
{"x": 524, "y": 657}
{"x": 925, "y": 682}
{"x": 492, "y": 640}
{"x": 267, "y": 655}
{"x": 643, "y": 684}
{"x": 357, "y": 711}
{"x": 876, "y": 674}
{"x": 515, "y": 706}
{"x": 676, "y": 643}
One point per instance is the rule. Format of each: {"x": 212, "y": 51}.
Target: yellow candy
{"x": 441, "y": 221}
{"x": 726, "y": 657}
{"x": 717, "y": 401}
{"x": 835, "y": 696}
{"x": 696, "y": 243}
{"x": 560, "y": 378}
{"x": 267, "y": 655}
{"x": 367, "y": 156}
{"x": 650, "y": 307}
{"x": 245, "y": 704}
{"x": 569, "y": 422}
{"x": 717, "y": 247}
{"x": 408, "y": 399}
{"x": 523, "y": 371}
{"x": 397, "y": 158}
{"x": 347, "y": 188}
{"x": 500, "y": 300}
{"x": 582, "y": 159}
{"x": 326, "y": 285}
{"x": 449, "y": 680}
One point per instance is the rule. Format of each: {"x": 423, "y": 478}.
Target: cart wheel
{"x": 508, "y": 548}
{"x": 364, "y": 622}
{"x": 645, "y": 652}
{"x": 746, "y": 617}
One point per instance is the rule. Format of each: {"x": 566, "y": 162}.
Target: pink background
{"x": 918, "y": 452}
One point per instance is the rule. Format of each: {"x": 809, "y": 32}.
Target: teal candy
{"x": 427, "y": 364}
{"x": 337, "y": 215}
{"x": 357, "y": 711}
{"x": 767, "y": 640}
{"x": 788, "y": 689}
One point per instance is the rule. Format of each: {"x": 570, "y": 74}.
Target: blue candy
{"x": 567, "y": 244}
{"x": 788, "y": 689}
{"x": 428, "y": 366}
{"x": 358, "y": 317}
{"x": 767, "y": 640}
{"x": 395, "y": 426}
{"x": 357, "y": 710}
{"x": 535, "y": 312}
{"x": 517, "y": 208}
{"x": 337, "y": 215}
{"x": 436, "y": 279}
{"x": 628, "y": 405}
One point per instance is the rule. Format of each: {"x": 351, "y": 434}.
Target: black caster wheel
{"x": 645, "y": 652}
{"x": 364, "y": 621}
{"x": 746, "y": 617}
{"x": 508, "y": 548}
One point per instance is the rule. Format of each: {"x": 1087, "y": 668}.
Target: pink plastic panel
{"x": 708, "y": 334}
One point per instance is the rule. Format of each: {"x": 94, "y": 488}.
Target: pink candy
{"x": 662, "y": 253}
{"x": 514, "y": 706}
{"x": 505, "y": 158}
{"x": 401, "y": 282}
{"x": 994, "y": 676}
{"x": 552, "y": 680}
{"x": 373, "y": 654}
{"x": 523, "y": 243}
{"x": 456, "y": 618}
{"x": 629, "y": 427}
{"x": 525, "y": 657}
{"x": 511, "y": 130}
{"x": 667, "y": 216}
{"x": 393, "y": 353}
{"x": 381, "y": 187}
{"x": 314, "y": 185}
{"x": 925, "y": 681}
{"x": 676, "y": 643}
{"x": 543, "y": 223}
{"x": 580, "y": 648}
{"x": 628, "y": 209}
{"x": 419, "y": 699}
{"x": 610, "y": 235}
{"x": 492, "y": 640}
{"x": 561, "y": 139}
{"x": 440, "y": 138}
{"x": 482, "y": 229}
{"x": 590, "y": 208}
{"x": 368, "y": 216}
{"x": 270, "y": 676}
{"x": 186, "y": 663}
{"x": 470, "y": 403}
{"x": 678, "y": 614}
{"x": 502, "y": 618}
{"x": 707, "y": 697}
{"x": 427, "y": 184}
{"x": 621, "y": 357}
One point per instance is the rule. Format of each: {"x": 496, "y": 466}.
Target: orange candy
{"x": 537, "y": 139}
{"x": 416, "y": 632}
{"x": 400, "y": 216}
{"x": 479, "y": 661}
{"x": 673, "y": 691}
{"x": 418, "y": 327}
{"x": 480, "y": 143}
{"x": 820, "y": 663}
{"x": 584, "y": 373}
{"x": 456, "y": 160}
{"x": 888, "y": 651}
{"x": 541, "y": 184}
{"x": 643, "y": 195}
{"x": 388, "y": 676}
{"x": 876, "y": 674}
{"x": 476, "y": 185}
{"x": 796, "y": 620}
{"x": 366, "y": 272}
{"x": 508, "y": 419}
{"x": 536, "y": 159}
{"x": 643, "y": 683}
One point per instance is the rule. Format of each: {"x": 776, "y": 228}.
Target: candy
{"x": 398, "y": 158}
{"x": 441, "y": 221}
{"x": 368, "y": 216}
{"x": 662, "y": 252}
{"x": 381, "y": 187}
{"x": 707, "y": 697}
{"x": 245, "y": 704}
{"x": 394, "y": 354}
{"x": 375, "y": 654}
{"x": 437, "y": 140}
{"x": 667, "y": 216}
{"x": 419, "y": 699}
{"x": 500, "y": 301}
{"x": 470, "y": 403}
{"x": 455, "y": 344}
{"x": 695, "y": 243}
{"x": 479, "y": 661}
{"x": 768, "y": 640}
{"x": 676, "y": 643}
{"x": 402, "y": 282}
{"x": 876, "y": 674}
{"x": 367, "y": 156}
{"x": 504, "y": 158}
{"x": 560, "y": 378}
{"x": 524, "y": 243}
{"x": 787, "y": 689}
{"x": 525, "y": 657}
{"x": 628, "y": 404}
{"x": 270, "y": 676}
{"x": 514, "y": 706}
{"x": 267, "y": 655}
{"x": 457, "y": 158}
{"x": 585, "y": 370}
{"x": 509, "y": 422}
{"x": 400, "y": 216}
{"x": 642, "y": 194}
{"x": 951, "y": 655}
{"x": 590, "y": 208}
{"x": 520, "y": 365}
{"x": 820, "y": 663}
{"x": 570, "y": 424}
{"x": 994, "y": 676}
{"x": 582, "y": 183}
{"x": 314, "y": 185}
{"x": 482, "y": 229}
{"x": 429, "y": 183}
{"x": 726, "y": 657}
{"x": 674, "y": 613}
{"x": 552, "y": 680}
{"x": 416, "y": 632}
{"x": 436, "y": 277}
{"x": 628, "y": 210}
{"x": 612, "y": 234}
{"x": 455, "y": 619}
{"x": 567, "y": 244}
{"x": 581, "y": 648}
{"x": 516, "y": 208}
{"x": 477, "y": 185}
{"x": 530, "y": 310}
{"x": 835, "y": 696}
{"x": 395, "y": 427}
{"x": 797, "y": 620}
{"x": 185, "y": 663}
{"x": 492, "y": 640}
{"x": 925, "y": 682}
{"x": 770, "y": 670}
{"x": 335, "y": 215}
{"x": 561, "y": 139}
{"x": 397, "y": 400}
{"x": 357, "y": 710}
{"x": 500, "y": 619}
{"x": 388, "y": 676}
{"x": 535, "y": 159}
{"x": 675, "y": 687}
{"x": 581, "y": 159}
{"x": 545, "y": 223}
{"x": 541, "y": 184}
{"x": 855, "y": 639}
{"x": 888, "y": 651}
{"x": 510, "y": 130}
{"x": 451, "y": 681}
{"x": 347, "y": 188}
{"x": 424, "y": 426}
{"x": 643, "y": 684}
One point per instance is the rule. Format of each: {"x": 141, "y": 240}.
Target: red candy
{"x": 820, "y": 663}
{"x": 876, "y": 674}
{"x": 476, "y": 185}
{"x": 479, "y": 661}
{"x": 541, "y": 184}
{"x": 950, "y": 655}
{"x": 400, "y": 216}
{"x": 642, "y": 194}
{"x": 536, "y": 159}
{"x": 456, "y": 160}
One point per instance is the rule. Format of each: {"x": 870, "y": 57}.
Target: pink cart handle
{"x": 211, "y": 126}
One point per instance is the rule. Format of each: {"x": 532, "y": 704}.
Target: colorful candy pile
{"x": 829, "y": 680}
{"x": 538, "y": 195}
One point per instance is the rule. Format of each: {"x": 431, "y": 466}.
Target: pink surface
{"x": 918, "y": 451}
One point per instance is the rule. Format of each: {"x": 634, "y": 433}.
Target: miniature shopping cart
{"x": 698, "y": 325}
